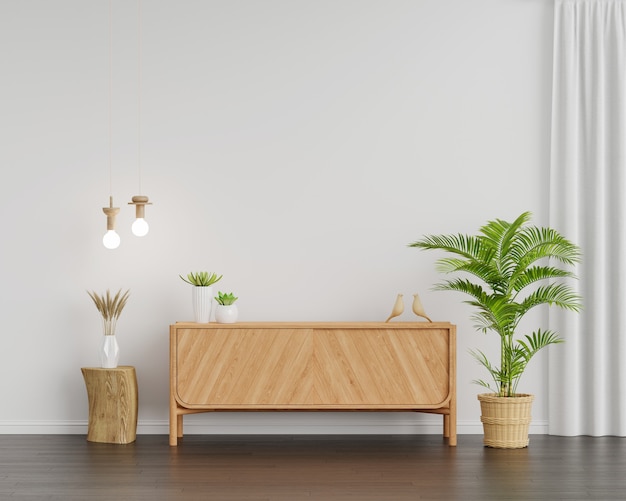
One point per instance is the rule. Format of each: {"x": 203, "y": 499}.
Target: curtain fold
{"x": 587, "y": 373}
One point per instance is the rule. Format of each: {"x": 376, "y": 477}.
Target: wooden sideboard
{"x": 313, "y": 366}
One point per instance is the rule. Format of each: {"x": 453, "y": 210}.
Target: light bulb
{"x": 111, "y": 239}
{"x": 140, "y": 227}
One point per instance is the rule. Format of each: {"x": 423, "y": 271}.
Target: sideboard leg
{"x": 452, "y": 439}
{"x": 452, "y": 425}
{"x": 179, "y": 425}
{"x": 173, "y": 426}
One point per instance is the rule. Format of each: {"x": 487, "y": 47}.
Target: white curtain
{"x": 587, "y": 374}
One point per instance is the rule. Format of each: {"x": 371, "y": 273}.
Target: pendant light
{"x": 111, "y": 239}
{"x": 140, "y": 227}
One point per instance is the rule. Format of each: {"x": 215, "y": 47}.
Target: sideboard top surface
{"x": 317, "y": 325}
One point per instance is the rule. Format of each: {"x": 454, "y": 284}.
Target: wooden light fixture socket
{"x": 140, "y": 202}
{"x": 111, "y": 212}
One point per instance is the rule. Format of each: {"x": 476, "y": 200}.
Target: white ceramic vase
{"x": 226, "y": 313}
{"x": 202, "y": 298}
{"x": 109, "y": 352}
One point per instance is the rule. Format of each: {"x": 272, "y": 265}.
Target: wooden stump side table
{"x": 113, "y": 403}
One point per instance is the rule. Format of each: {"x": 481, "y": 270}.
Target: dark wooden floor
{"x": 363, "y": 468}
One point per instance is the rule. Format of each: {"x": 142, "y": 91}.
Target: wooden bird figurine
{"x": 418, "y": 309}
{"x": 398, "y": 308}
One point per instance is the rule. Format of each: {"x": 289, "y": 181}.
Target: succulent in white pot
{"x": 226, "y": 311}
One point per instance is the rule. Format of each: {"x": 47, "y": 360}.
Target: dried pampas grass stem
{"x": 110, "y": 307}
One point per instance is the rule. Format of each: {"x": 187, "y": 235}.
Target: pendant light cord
{"x": 110, "y": 98}
{"x": 139, "y": 50}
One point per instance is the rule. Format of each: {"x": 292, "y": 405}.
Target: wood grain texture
{"x": 313, "y": 366}
{"x": 381, "y": 368}
{"x": 249, "y": 367}
{"x": 313, "y": 468}
{"x": 113, "y": 404}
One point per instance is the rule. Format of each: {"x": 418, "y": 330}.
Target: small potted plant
{"x": 226, "y": 311}
{"x": 201, "y": 293}
{"x": 509, "y": 268}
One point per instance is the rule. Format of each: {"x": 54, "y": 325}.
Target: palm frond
{"x": 537, "y": 274}
{"x": 486, "y": 272}
{"x": 465, "y": 286}
{"x": 539, "y": 243}
{"x": 532, "y": 343}
{"x": 502, "y": 236}
{"x": 495, "y": 373}
{"x": 480, "y": 382}
{"x": 462, "y": 245}
{"x": 555, "y": 294}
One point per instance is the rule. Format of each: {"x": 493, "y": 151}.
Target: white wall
{"x": 297, "y": 147}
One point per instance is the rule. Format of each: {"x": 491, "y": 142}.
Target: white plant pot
{"x": 109, "y": 352}
{"x": 226, "y": 313}
{"x": 202, "y": 298}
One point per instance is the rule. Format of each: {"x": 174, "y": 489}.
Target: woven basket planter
{"x": 505, "y": 420}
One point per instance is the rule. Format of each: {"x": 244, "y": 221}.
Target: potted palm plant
{"x": 512, "y": 268}
{"x": 201, "y": 293}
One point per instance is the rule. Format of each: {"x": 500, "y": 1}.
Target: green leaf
{"x": 201, "y": 278}
{"x": 225, "y": 299}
